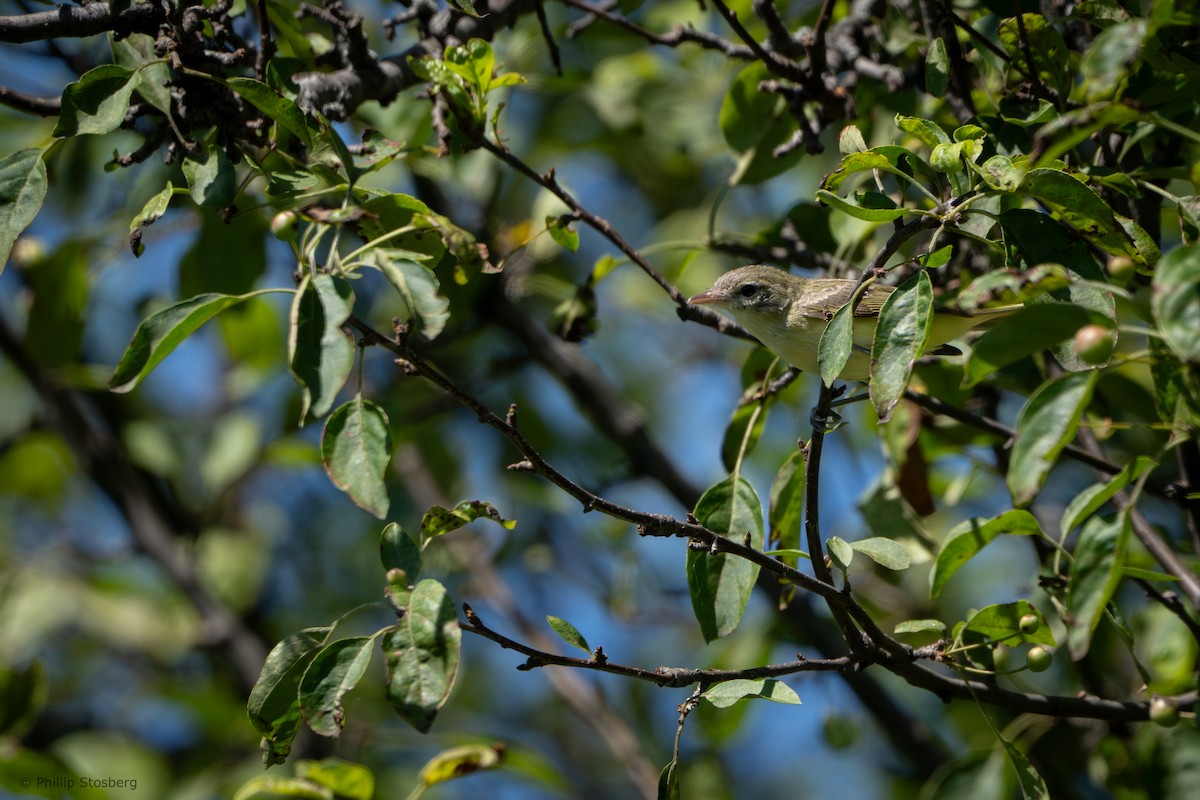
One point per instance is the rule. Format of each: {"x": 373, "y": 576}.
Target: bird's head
{"x": 752, "y": 291}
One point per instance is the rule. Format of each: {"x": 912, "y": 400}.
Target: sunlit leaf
{"x": 884, "y": 552}
{"x": 320, "y": 355}
{"x": 210, "y": 177}
{"x": 439, "y": 521}
{"x": 840, "y": 552}
{"x": 356, "y": 447}
{"x": 1095, "y": 573}
{"x": 345, "y": 778}
{"x": 160, "y": 333}
{"x": 97, "y": 103}
{"x": 837, "y": 342}
{"x": 22, "y": 190}
{"x": 966, "y": 540}
{"x": 720, "y": 584}
{"x": 1176, "y": 301}
{"x": 460, "y": 761}
{"x": 333, "y": 671}
{"x": 869, "y": 206}
{"x": 568, "y": 633}
{"x": 1044, "y": 427}
{"x": 274, "y": 703}
{"x": 277, "y": 107}
{"x": 397, "y": 550}
{"x": 787, "y": 501}
{"x": 900, "y": 337}
{"x": 422, "y": 655}
{"x": 726, "y": 693}
{"x": 935, "y": 626}
{"x": 1002, "y": 622}
{"x": 1092, "y": 498}
{"x": 562, "y": 233}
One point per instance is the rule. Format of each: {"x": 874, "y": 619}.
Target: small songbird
{"x": 788, "y": 314}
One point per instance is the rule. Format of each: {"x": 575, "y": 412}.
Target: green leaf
{"x": 1095, "y": 574}
{"x": 837, "y": 342}
{"x": 850, "y": 140}
{"x": 97, "y": 102}
{"x": 356, "y": 447}
{"x": 438, "y": 521}
{"x": 281, "y": 788}
{"x": 1074, "y": 202}
{"x": 562, "y": 233}
{"x": 1035, "y": 34}
{"x": 1033, "y": 786}
{"x": 719, "y": 584}
{"x": 884, "y": 552}
{"x": 940, "y": 257}
{"x": 1035, "y": 328}
{"x": 22, "y": 190}
{"x": 937, "y": 68}
{"x": 335, "y": 670}
{"x": 928, "y": 131}
{"x": 935, "y": 626}
{"x": 726, "y": 693}
{"x": 966, "y": 540}
{"x": 569, "y": 633}
{"x": 274, "y": 703}
{"x": 475, "y": 61}
{"x": 320, "y": 355}
{"x": 417, "y": 287}
{"x": 1175, "y": 300}
{"x": 1002, "y": 622}
{"x": 900, "y": 337}
{"x": 1001, "y": 173}
{"x": 873, "y": 206}
{"x": 1011, "y": 286}
{"x": 786, "y": 504}
{"x": 397, "y": 550}
{"x": 1106, "y": 64}
{"x": 840, "y": 552}
{"x": 754, "y": 123}
{"x": 1088, "y": 501}
{"x": 1045, "y": 425}
{"x": 23, "y": 692}
{"x": 668, "y": 782}
{"x": 422, "y": 655}
{"x": 210, "y": 177}
{"x": 161, "y": 332}
{"x": 277, "y": 107}
{"x": 151, "y": 212}
{"x": 459, "y": 761}
{"x": 745, "y": 427}
{"x": 886, "y": 158}
{"x": 346, "y": 779}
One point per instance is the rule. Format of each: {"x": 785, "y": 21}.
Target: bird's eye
{"x": 748, "y": 290}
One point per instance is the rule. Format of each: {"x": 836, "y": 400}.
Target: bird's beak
{"x": 711, "y": 296}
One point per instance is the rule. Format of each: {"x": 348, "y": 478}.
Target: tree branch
{"x": 80, "y": 21}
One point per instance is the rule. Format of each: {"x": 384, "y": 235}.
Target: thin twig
{"x": 672, "y": 677}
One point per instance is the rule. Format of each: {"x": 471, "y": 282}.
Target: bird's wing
{"x": 824, "y": 296}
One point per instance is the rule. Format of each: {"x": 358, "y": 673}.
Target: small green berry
{"x": 1163, "y": 712}
{"x": 284, "y": 225}
{"x": 1121, "y": 269}
{"x": 1039, "y": 659}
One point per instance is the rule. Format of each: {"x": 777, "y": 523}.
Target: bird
{"x": 788, "y": 314}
